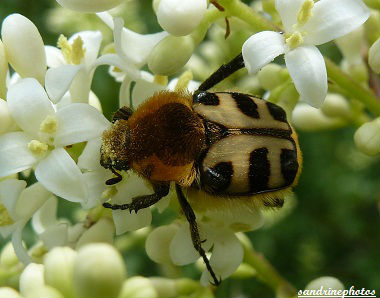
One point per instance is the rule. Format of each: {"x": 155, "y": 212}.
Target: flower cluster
{"x": 51, "y": 126}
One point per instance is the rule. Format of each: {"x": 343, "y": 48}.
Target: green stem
{"x": 267, "y": 273}
{"x": 352, "y": 88}
{"x": 242, "y": 11}
{"x": 210, "y": 16}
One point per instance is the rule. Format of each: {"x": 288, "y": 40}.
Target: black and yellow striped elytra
{"x": 251, "y": 148}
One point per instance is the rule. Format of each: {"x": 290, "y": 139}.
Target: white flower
{"x": 121, "y": 193}
{"x": 45, "y": 133}
{"x": 180, "y": 17}
{"x": 306, "y": 24}
{"x": 18, "y": 204}
{"x": 218, "y": 228}
{"x": 3, "y": 71}
{"x": 132, "y": 52}
{"x": 71, "y": 66}
{"x": 24, "y": 47}
{"x": 374, "y": 56}
{"x": 89, "y": 5}
{"x": 367, "y": 137}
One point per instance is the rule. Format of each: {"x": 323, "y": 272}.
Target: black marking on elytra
{"x": 218, "y": 178}
{"x": 206, "y": 98}
{"x": 289, "y": 165}
{"x": 259, "y": 170}
{"x": 277, "y": 112}
{"x": 214, "y": 132}
{"x": 246, "y": 105}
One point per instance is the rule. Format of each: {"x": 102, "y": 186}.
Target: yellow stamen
{"x": 78, "y": 51}
{"x": 109, "y": 192}
{"x": 183, "y": 81}
{"x": 49, "y": 124}
{"x": 162, "y": 80}
{"x": 305, "y": 12}
{"x": 65, "y": 47}
{"x": 5, "y": 218}
{"x": 294, "y": 40}
{"x": 38, "y": 148}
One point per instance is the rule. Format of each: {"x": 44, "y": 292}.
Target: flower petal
{"x": 55, "y": 235}
{"x": 31, "y": 199}
{"x": 58, "y": 80}
{"x": 54, "y": 57}
{"x": 79, "y": 122}
{"x": 89, "y": 5}
{"x": 91, "y": 43}
{"x": 288, "y": 11}
{"x": 308, "y": 71}
{"x": 81, "y": 85}
{"x": 19, "y": 248}
{"x": 114, "y": 60}
{"x": 14, "y": 153}
{"x": 126, "y": 222}
{"x": 95, "y": 183}
{"x": 182, "y": 250}
{"x": 90, "y": 157}
{"x": 10, "y": 190}
{"x": 334, "y": 18}
{"x": 261, "y": 48}
{"x": 46, "y": 215}
{"x": 227, "y": 255}
{"x": 29, "y": 105}
{"x": 158, "y": 241}
{"x": 134, "y": 47}
{"x": 60, "y": 175}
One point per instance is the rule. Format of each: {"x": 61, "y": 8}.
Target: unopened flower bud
{"x": 327, "y": 282}
{"x": 9, "y": 293}
{"x": 24, "y": 47}
{"x": 165, "y": 287}
{"x": 374, "y": 56}
{"x": 31, "y": 279}
{"x": 336, "y": 106}
{"x": 170, "y": 54}
{"x": 99, "y": 271}
{"x": 186, "y": 286}
{"x": 45, "y": 292}
{"x": 102, "y": 231}
{"x": 367, "y": 137}
{"x": 272, "y": 75}
{"x": 89, "y": 5}
{"x": 138, "y": 287}
{"x": 158, "y": 242}
{"x": 308, "y": 118}
{"x": 180, "y": 17}
{"x": 59, "y": 265}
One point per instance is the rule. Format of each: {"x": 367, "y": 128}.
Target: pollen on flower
{"x": 65, "y": 47}
{"x": 109, "y": 192}
{"x": 305, "y": 13}
{"x": 5, "y": 219}
{"x": 78, "y": 51}
{"x": 38, "y": 148}
{"x": 294, "y": 40}
{"x": 73, "y": 53}
{"x": 49, "y": 124}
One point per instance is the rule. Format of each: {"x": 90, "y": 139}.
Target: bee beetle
{"x": 230, "y": 146}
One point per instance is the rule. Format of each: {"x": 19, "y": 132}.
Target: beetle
{"x": 230, "y": 146}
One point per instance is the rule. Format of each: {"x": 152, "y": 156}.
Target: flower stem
{"x": 267, "y": 273}
{"x": 353, "y": 88}
{"x": 242, "y": 11}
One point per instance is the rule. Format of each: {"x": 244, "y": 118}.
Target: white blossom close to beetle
{"x": 374, "y": 56}
{"x": 307, "y": 24}
{"x": 180, "y": 17}
{"x": 45, "y": 133}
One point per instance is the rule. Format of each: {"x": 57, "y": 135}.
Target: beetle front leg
{"x": 141, "y": 202}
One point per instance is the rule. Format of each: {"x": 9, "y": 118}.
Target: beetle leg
{"x": 116, "y": 179}
{"x": 122, "y": 113}
{"x": 141, "y": 202}
{"x": 222, "y": 72}
{"x": 190, "y": 216}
